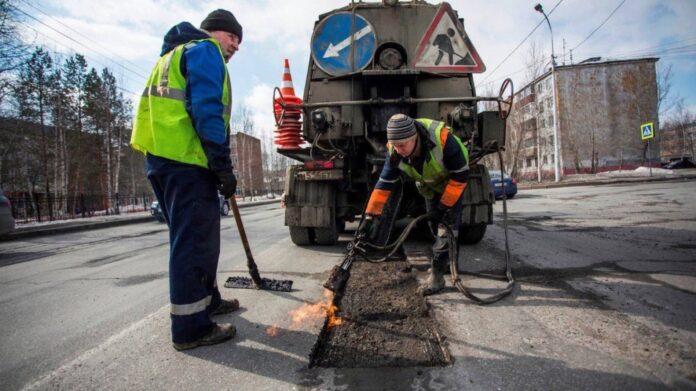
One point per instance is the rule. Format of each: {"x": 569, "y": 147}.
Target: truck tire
{"x": 341, "y": 226}
{"x": 301, "y": 236}
{"x": 326, "y": 236}
{"x": 472, "y": 234}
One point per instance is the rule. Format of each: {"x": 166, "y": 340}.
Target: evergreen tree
{"x": 74, "y": 77}
{"x": 33, "y": 93}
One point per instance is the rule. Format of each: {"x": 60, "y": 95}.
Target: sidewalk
{"x": 83, "y": 224}
{"x": 641, "y": 174}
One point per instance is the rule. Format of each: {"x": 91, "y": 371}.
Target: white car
{"x": 7, "y": 223}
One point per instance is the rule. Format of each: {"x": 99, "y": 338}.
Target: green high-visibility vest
{"x": 434, "y": 177}
{"x": 162, "y": 126}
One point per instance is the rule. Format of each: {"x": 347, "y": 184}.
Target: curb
{"x": 23, "y": 233}
{"x": 605, "y": 182}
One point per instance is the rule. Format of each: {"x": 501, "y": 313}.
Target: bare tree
{"x": 535, "y": 61}
{"x": 13, "y": 52}
{"x": 682, "y": 126}
{"x": 58, "y": 103}
{"x": 665, "y": 100}
{"x": 517, "y": 123}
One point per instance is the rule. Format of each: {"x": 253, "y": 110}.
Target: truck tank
{"x": 368, "y": 62}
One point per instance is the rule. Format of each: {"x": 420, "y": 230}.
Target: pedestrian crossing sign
{"x": 647, "y": 131}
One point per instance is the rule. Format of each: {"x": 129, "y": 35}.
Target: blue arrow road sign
{"x": 340, "y": 38}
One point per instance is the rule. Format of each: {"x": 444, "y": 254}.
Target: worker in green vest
{"x": 427, "y": 152}
{"x": 182, "y": 126}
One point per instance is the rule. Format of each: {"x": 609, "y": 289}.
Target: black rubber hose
{"x": 454, "y": 253}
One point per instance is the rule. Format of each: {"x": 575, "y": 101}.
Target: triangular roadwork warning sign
{"x": 446, "y": 48}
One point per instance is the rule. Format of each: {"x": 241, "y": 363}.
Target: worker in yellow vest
{"x": 427, "y": 152}
{"x": 182, "y": 126}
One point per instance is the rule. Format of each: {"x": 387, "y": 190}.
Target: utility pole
{"x": 556, "y": 158}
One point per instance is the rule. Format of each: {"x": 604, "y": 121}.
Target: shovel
{"x": 255, "y": 282}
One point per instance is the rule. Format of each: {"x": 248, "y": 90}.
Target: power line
{"x": 83, "y": 35}
{"x": 660, "y": 50}
{"x": 601, "y": 24}
{"x": 523, "y": 41}
{"x": 663, "y": 50}
{"x": 666, "y": 46}
{"x": 540, "y": 61}
{"x": 67, "y": 54}
{"x": 79, "y": 43}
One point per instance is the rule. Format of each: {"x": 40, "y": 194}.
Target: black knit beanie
{"x": 222, "y": 20}
{"x": 400, "y": 127}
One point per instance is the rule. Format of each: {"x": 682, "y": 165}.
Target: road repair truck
{"x": 370, "y": 60}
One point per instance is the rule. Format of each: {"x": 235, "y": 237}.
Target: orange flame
{"x": 316, "y": 311}
{"x": 272, "y": 331}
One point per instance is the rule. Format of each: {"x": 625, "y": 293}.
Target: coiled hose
{"x": 454, "y": 253}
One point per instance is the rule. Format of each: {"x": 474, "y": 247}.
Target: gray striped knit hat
{"x": 400, "y": 127}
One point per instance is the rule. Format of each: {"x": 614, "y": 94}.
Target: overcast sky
{"x": 126, "y": 35}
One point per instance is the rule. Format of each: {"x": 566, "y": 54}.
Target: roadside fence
{"x": 42, "y": 207}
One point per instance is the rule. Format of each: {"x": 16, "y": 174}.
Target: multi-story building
{"x": 678, "y": 140}
{"x": 248, "y": 164}
{"x": 601, "y": 105}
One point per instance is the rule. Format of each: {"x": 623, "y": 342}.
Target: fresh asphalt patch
{"x": 382, "y": 321}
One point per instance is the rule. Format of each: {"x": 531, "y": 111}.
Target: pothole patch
{"x": 384, "y": 322}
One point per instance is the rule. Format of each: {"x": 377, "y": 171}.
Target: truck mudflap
{"x": 478, "y": 197}
{"x": 310, "y": 206}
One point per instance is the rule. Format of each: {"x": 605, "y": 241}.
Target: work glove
{"x": 436, "y": 215}
{"x": 227, "y": 183}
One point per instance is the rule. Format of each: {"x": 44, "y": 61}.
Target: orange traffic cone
{"x": 288, "y": 113}
{"x": 286, "y": 87}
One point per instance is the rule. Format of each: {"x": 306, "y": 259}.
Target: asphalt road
{"x": 606, "y": 299}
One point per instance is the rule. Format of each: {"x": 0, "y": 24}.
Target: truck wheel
{"x": 326, "y": 236}
{"x": 301, "y": 236}
{"x": 341, "y": 226}
{"x": 471, "y": 234}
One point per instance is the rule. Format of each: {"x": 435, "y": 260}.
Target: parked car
{"x": 679, "y": 163}
{"x": 224, "y": 206}
{"x": 156, "y": 210}
{"x": 510, "y": 185}
{"x": 7, "y": 223}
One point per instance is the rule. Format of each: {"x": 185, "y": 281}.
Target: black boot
{"x": 220, "y": 333}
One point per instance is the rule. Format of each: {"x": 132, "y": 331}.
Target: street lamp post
{"x": 556, "y": 159}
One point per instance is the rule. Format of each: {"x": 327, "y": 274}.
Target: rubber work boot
{"x": 225, "y": 307}
{"x": 433, "y": 284}
{"x": 221, "y": 332}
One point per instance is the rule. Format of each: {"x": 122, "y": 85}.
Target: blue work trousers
{"x": 453, "y": 217}
{"x": 189, "y": 200}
